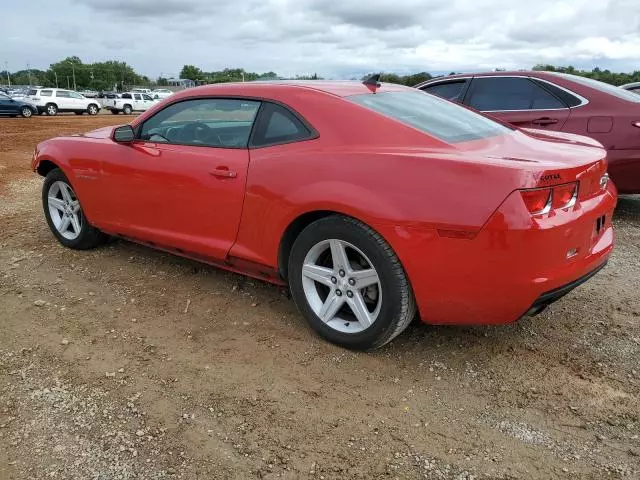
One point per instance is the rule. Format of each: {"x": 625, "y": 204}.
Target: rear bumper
{"x": 515, "y": 262}
{"x": 556, "y": 294}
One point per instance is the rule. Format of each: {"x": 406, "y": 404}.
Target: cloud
{"x": 338, "y": 39}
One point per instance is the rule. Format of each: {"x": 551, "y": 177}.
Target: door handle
{"x": 223, "y": 172}
{"x": 545, "y": 121}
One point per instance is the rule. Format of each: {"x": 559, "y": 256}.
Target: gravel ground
{"x": 123, "y": 363}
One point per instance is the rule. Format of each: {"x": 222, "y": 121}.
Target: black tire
{"x": 127, "y": 110}
{"x": 398, "y": 306}
{"x": 26, "y": 112}
{"x": 93, "y": 109}
{"x": 89, "y": 237}
{"x": 51, "y": 109}
{"x": 115, "y": 112}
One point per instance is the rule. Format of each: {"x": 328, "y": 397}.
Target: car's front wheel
{"x": 26, "y": 112}
{"x": 349, "y": 284}
{"x": 127, "y": 110}
{"x": 64, "y": 214}
{"x": 92, "y": 109}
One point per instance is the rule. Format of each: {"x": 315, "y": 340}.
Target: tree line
{"x": 73, "y": 73}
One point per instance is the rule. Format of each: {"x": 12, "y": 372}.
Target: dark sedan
{"x": 557, "y": 101}
{"x": 12, "y": 107}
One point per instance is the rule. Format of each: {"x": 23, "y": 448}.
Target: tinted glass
{"x": 603, "y": 87}
{"x": 45, "y": 93}
{"x": 203, "y": 122}
{"x": 32, "y": 92}
{"x": 147, "y": 97}
{"x": 437, "y": 117}
{"x": 137, "y": 96}
{"x": 560, "y": 93}
{"x": 510, "y": 93}
{"x": 62, "y": 94}
{"x": 278, "y": 125}
{"x": 448, "y": 90}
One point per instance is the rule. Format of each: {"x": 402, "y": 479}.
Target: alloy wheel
{"x": 26, "y": 112}
{"x": 341, "y": 286}
{"x": 64, "y": 209}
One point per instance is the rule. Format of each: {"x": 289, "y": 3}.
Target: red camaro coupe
{"x": 557, "y": 102}
{"x": 372, "y": 202}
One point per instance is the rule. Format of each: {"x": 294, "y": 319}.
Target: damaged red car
{"x": 374, "y": 203}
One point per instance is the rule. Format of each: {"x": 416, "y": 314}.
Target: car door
{"x": 63, "y": 100}
{"x": 517, "y": 100}
{"x": 181, "y": 183}
{"x": 147, "y": 102}
{"x": 78, "y": 101}
{"x": 138, "y": 102}
{"x": 6, "y": 105}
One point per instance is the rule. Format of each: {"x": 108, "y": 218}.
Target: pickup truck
{"x": 130, "y": 102}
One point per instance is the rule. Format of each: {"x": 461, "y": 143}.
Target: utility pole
{"x": 6, "y": 69}
{"x": 56, "y": 75}
{"x": 73, "y": 69}
{"x": 29, "y": 71}
{"x": 68, "y": 85}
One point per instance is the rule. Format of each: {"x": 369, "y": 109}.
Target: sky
{"x": 333, "y": 38}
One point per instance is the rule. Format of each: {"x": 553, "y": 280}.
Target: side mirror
{"x": 124, "y": 134}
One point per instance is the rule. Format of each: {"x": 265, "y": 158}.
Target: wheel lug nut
{"x": 341, "y": 272}
{"x": 338, "y": 292}
{"x": 352, "y": 282}
{"x": 334, "y": 280}
{"x": 349, "y": 294}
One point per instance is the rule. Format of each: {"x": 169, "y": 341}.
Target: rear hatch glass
{"x": 439, "y": 118}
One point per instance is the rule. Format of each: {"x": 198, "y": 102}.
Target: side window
{"x": 447, "y": 90}
{"x": 208, "y": 122}
{"x": 560, "y": 93}
{"x": 278, "y": 125}
{"x": 45, "y": 93}
{"x": 32, "y": 93}
{"x": 127, "y": 95}
{"x": 137, "y": 96}
{"x": 62, "y": 94}
{"x": 147, "y": 97}
{"x": 510, "y": 93}
{"x": 75, "y": 95}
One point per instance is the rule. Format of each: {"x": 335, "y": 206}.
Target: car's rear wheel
{"x": 349, "y": 284}
{"x": 26, "y": 112}
{"x": 51, "y": 109}
{"x": 92, "y": 109}
{"x": 127, "y": 110}
{"x": 64, "y": 214}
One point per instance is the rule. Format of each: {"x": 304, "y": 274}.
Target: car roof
{"x": 339, "y": 88}
{"x": 630, "y": 85}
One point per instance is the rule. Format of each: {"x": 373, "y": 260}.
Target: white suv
{"x": 54, "y": 100}
{"x": 130, "y": 102}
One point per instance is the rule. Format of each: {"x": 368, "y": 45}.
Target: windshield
{"x": 601, "y": 86}
{"x": 437, "y": 117}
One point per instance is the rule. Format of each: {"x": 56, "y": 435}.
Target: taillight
{"x": 565, "y": 196}
{"x": 538, "y": 201}
{"x": 541, "y": 200}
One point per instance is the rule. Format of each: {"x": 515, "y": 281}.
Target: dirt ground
{"x": 124, "y": 363}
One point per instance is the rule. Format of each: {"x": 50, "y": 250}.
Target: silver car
{"x": 634, "y": 87}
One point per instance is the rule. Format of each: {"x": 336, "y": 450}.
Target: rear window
{"x": 32, "y": 92}
{"x": 437, "y": 117}
{"x": 45, "y": 93}
{"x": 601, "y": 86}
